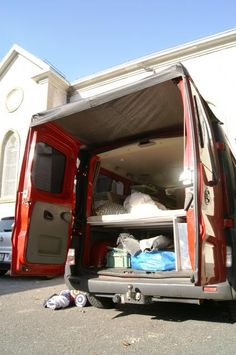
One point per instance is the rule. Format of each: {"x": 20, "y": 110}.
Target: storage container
{"x": 117, "y": 258}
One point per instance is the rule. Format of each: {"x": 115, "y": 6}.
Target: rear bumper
{"x": 181, "y": 288}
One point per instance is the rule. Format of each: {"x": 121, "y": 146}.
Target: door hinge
{"x": 220, "y": 146}
{"x": 27, "y": 202}
{"x": 228, "y": 223}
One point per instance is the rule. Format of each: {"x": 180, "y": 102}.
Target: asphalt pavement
{"x": 27, "y": 327}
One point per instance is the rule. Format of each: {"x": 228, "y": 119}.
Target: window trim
{"x": 8, "y": 136}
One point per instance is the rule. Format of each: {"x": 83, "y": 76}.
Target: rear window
{"x": 48, "y": 169}
{"x": 6, "y": 224}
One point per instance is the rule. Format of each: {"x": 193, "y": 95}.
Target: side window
{"x": 104, "y": 184}
{"x": 9, "y": 165}
{"x": 48, "y": 168}
{"x": 108, "y": 184}
{"x": 229, "y": 167}
{"x": 234, "y": 167}
{"x": 232, "y": 185}
{"x": 206, "y": 139}
{"x": 108, "y": 189}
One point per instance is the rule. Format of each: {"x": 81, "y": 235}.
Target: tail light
{"x": 70, "y": 257}
{"x": 229, "y": 257}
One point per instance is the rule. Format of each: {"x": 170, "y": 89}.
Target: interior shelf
{"x": 164, "y": 218}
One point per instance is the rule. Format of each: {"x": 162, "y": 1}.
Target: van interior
{"x": 138, "y": 195}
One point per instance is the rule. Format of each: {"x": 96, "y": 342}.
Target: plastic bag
{"x": 154, "y": 260}
{"x": 129, "y": 243}
{"x": 159, "y": 242}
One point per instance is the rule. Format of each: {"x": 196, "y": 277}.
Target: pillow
{"x": 110, "y": 208}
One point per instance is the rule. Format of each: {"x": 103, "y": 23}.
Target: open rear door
{"x": 210, "y": 248}
{"x": 45, "y": 202}
{"x": 204, "y": 192}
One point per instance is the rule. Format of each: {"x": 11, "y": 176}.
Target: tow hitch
{"x": 132, "y": 296}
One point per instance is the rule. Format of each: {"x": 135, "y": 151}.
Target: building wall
{"x": 212, "y": 69}
{"x": 23, "y": 92}
{"x": 215, "y": 77}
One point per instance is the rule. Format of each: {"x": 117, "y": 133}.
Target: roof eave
{"x": 165, "y": 57}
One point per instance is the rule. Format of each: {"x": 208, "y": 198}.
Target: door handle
{"x": 66, "y": 217}
{"x": 48, "y": 215}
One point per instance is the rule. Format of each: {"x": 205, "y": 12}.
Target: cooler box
{"x": 118, "y": 258}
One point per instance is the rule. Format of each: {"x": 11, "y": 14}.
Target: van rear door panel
{"x": 45, "y": 203}
{"x": 48, "y": 231}
{"x": 210, "y": 241}
{"x": 204, "y": 212}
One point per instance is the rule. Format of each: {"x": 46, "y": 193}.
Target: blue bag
{"x": 155, "y": 260}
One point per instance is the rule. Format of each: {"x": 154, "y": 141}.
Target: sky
{"x": 83, "y": 37}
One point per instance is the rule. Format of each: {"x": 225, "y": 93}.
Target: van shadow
{"x": 179, "y": 312}
{"x": 10, "y": 284}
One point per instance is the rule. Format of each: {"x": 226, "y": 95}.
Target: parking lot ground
{"x": 162, "y": 328}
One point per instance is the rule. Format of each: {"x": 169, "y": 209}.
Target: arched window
{"x": 9, "y": 166}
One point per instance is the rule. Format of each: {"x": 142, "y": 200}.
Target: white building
{"x": 29, "y": 85}
{"x": 210, "y": 62}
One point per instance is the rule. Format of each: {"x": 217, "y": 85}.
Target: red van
{"x": 103, "y": 176}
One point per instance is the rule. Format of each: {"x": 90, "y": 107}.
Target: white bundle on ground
{"x": 66, "y": 298}
{"x": 58, "y": 302}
